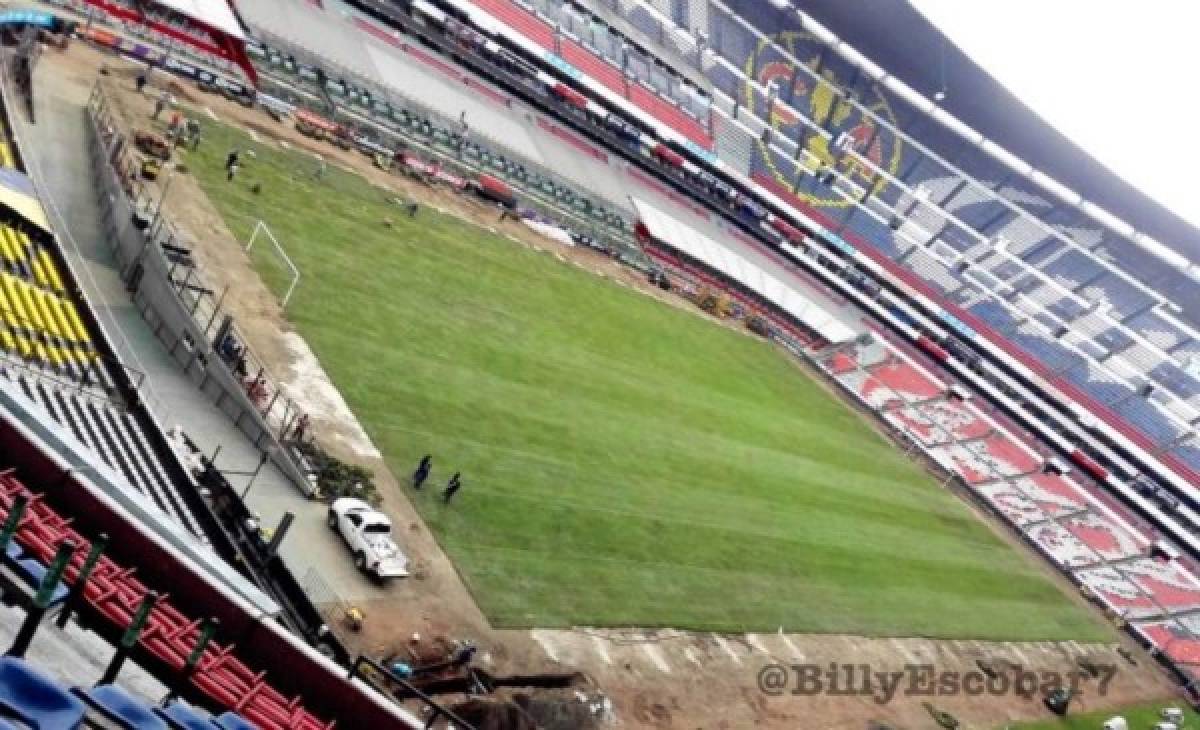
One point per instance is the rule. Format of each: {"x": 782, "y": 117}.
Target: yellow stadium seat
{"x": 8, "y": 311}
{"x": 24, "y": 345}
{"x": 18, "y": 241}
{"x": 32, "y": 312}
{"x": 7, "y": 250}
{"x": 48, "y": 320}
{"x": 17, "y": 312}
{"x": 51, "y": 270}
{"x": 39, "y": 275}
{"x": 60, "y": 318}
{"x": 81, "y": 333}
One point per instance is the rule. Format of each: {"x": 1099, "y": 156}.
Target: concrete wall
{"x": 158, "y": 297}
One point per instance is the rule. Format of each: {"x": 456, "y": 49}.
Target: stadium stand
{"x": 49, "y": 350}
{"x": 180, "y": 638}
{"x": 969, "y": 209}
{"x": 627, "y": 73}
{"x": 1066, "y": 520}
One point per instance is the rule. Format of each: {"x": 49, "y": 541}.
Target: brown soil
{"x": 655, "y": 679}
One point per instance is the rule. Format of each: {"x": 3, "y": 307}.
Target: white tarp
{"x": 699, "y": 247}
{"x": 216, "y": 14}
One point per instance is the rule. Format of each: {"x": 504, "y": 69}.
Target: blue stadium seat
{"x": 641, "y": 19}
{"x": 723, "y": 78}
{"x": 994, "y": 314}
{"x": 234, "y": 721}
{"x": 33, "y": 572}
{"x": 182, "y": 716}
{"x": 1073, "y": 268}
{"x": 1143, "y": 416}
{"x": 120, "y": 707}
{"x": 35, "y": 699}
{"x": 1157, "y": 330}
{"x": 1176, "y": 380}
{"x": 1188, "y": 453}
{"x": 875, "y": 233}
{"x": 1100, "y": 386}
{"x": 1121, "y": 294}
{"x": 1049, "y": 352}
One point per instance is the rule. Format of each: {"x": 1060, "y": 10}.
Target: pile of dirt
{"x": 548, "y": 710}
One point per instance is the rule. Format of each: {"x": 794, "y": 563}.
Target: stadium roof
{"x": 671, "y": 232}
{"x": 18, "y": 195}
{"x": 1105, "y": 75}
{"x": 216, "y": 14}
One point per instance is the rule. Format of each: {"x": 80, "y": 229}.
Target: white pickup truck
{"x": 368, "y": 534}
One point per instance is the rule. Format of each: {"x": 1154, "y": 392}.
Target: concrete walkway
{"x": 59, "y": 162}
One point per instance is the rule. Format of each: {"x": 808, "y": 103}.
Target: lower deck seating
{"x": 1055, "y": 495}
{"x": 113, "y": 435}
{"x": 112, "y": 595}
{"x": 1097, "y": 533}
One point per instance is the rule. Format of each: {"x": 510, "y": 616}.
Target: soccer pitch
{"x": 625, "y": 463}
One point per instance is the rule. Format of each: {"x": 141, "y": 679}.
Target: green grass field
{"x": 625, "y": 463}
{"x": 1140, "y": 717}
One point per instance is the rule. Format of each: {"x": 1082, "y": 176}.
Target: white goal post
{"x": 261, "y": 227}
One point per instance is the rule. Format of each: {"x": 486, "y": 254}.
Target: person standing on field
{"x": 452, "y": 487}
{"x": 422, "y": 473}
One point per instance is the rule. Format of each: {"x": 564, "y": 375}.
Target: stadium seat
{"x": 35, "y": 699}
{"x": 181, "y": 716}
{"x": 34, "y": 572}
{"x": 234, "y": 721}
{"x": 120, "y": 707}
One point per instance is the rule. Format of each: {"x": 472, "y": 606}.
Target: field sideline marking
{"x": 728, "y": 649}
{"x": 657, "y": 658}
{"x": 602, "y": 649}
{"x": 754, "y": 641}
{"x": 547, "y": 647}
{"x": 796, "y": 653}
{"x": 211, "y": 114}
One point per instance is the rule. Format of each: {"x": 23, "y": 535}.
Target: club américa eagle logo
{"x": 818, "y": 102}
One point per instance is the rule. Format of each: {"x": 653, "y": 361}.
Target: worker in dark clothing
{"x": 140, "y": 81}
{"x": 452, "y": 487}
{"x": 422, "y": 473}
{"x": 231, "y": 165}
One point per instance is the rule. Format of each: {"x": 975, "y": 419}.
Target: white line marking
{"x": 754, "y": 641}
{"x": 656, "y": 657}
{"x": 602, "y": 649}
{"x": 211, "y": 115}
{"x": 253, "y": 134}
{"x": 796, "y": 654}
{"x": 284, "y": 144}
{"x": 544, "y": 641}
{"x": 690, "y": 654}
{"x": 728, "y": 649}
